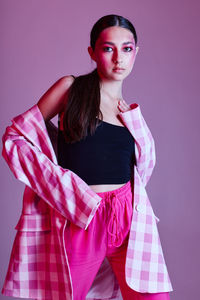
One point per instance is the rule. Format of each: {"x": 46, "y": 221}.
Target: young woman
{"x": 87, "y": 226}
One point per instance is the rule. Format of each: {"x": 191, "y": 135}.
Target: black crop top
{"x": 106, "y": 157}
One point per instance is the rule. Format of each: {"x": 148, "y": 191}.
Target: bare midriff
{"x": 100, "y": 188}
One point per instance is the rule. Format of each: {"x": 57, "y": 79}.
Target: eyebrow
{"x": 110, "y": 43}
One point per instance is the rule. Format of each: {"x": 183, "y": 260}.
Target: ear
{"x": 137, "y": 49}
{"x": 91, "y": 53}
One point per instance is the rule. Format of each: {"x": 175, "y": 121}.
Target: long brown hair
{"x": 82, "y": 110}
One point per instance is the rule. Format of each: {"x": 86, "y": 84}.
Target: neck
{"x": 111, "y": 93}
{"x": 113, "y": 89}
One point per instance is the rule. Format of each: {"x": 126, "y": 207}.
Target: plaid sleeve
{"x": 145, "y": 147}
{"x": 60, "y": 188}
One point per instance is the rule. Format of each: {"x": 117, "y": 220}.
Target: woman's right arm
{"x": 27, "y": 151}
{"x": 54, "y": 100}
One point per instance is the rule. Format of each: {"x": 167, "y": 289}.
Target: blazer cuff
{"x": 133, "y": 114}
{"x": 93, "y": 211}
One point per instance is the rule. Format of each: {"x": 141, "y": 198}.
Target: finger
{"x": 123, "y": 106}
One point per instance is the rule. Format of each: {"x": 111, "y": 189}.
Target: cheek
{"x": 103, "y": 61}
{"x": 130, "y": 60}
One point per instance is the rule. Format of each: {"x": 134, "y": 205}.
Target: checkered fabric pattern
{"x": 145, "y": 266}
{"x": 38, "y": 265}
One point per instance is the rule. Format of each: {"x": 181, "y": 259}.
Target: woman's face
{"x": 114, "y": 53}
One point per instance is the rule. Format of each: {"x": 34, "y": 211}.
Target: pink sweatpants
{"x": 106, "y": 236}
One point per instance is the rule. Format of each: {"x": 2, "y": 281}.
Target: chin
{"x": 113, "y": 76}
{"x": 119, "y": 77}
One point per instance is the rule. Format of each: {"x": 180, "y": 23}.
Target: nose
{"x": 117, "y": 59}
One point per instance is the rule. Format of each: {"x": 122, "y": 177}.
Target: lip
{"x": 118, "y": 70}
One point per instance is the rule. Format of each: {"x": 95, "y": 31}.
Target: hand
{"x": 123, "y": 106}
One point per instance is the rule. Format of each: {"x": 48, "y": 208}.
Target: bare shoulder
{"x": 66, "y": 81}
{"x": 54, "y": 99}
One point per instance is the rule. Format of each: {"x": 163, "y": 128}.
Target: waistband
{"x": 114, "y": 226}
{"x": 120, "y": 191}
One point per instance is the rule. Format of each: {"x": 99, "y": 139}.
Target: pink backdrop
{"x": 44, "y": 40}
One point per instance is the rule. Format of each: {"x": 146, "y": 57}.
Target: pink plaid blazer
{"x": 53, "y": 196}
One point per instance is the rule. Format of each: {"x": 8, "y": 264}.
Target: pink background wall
{"x": 44, "y": 40}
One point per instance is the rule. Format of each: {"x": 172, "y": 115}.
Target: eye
{"x": 128, "y": 49}
{"x": 107, "y": 49}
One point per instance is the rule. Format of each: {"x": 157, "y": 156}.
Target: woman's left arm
{"x": 145, "y": 150}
